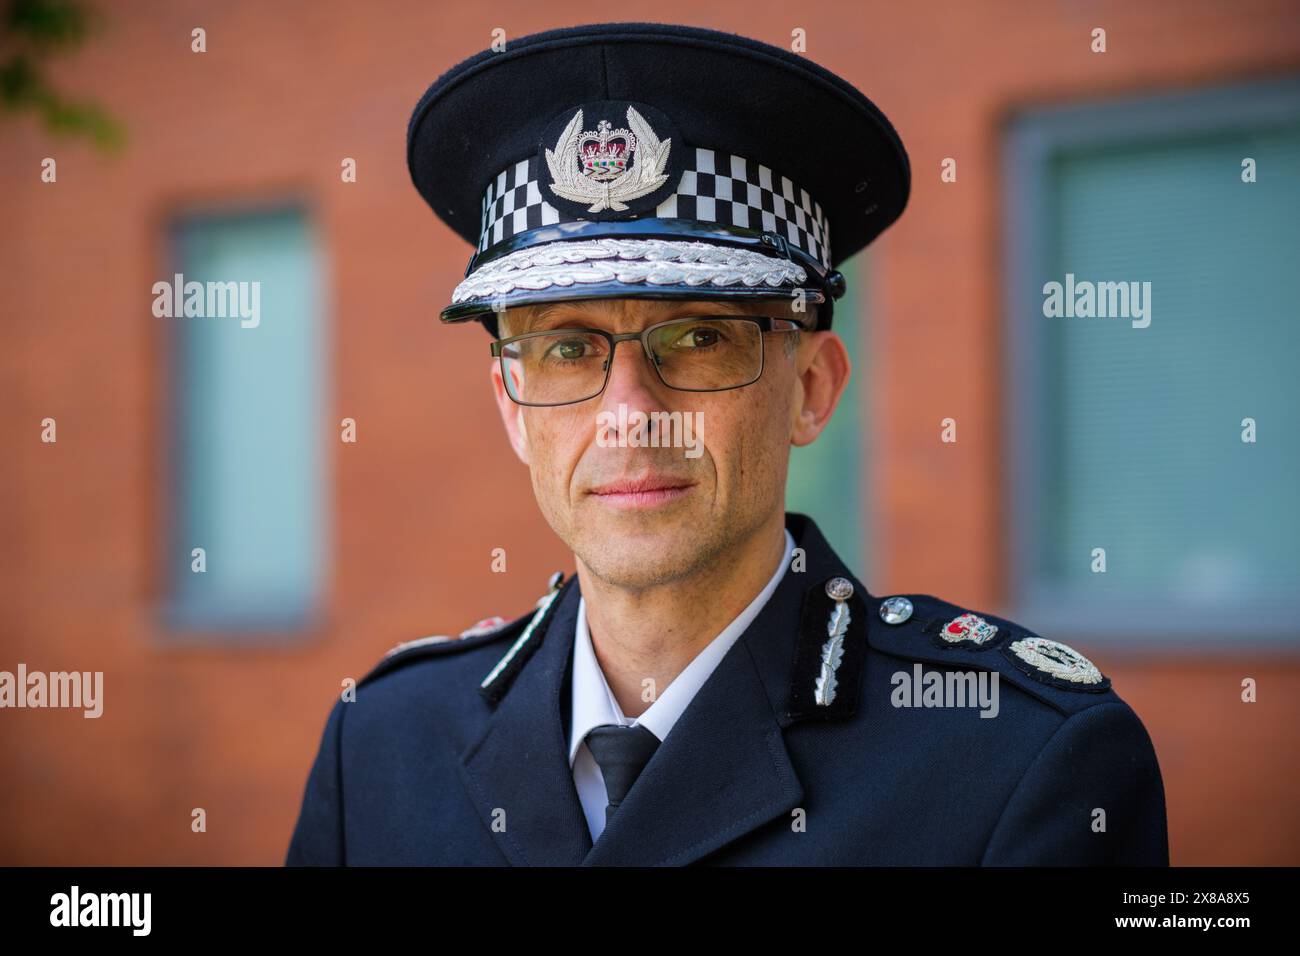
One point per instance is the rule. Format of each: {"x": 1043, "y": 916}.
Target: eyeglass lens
{"x": 691, "y": 354}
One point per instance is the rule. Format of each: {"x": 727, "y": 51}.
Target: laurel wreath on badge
{"x": 1056, "y": 659}
{"x": 572, "y": 179}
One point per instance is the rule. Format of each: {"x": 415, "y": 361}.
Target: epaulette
{"x": 486, "y": 631}
{"x": 922, "y": 627}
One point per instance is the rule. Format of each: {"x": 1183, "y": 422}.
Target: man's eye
{"x": 698, "y": 337}
{"x": 569, "y": 349}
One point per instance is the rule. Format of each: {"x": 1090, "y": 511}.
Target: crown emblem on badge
{"x": 608, "y": 167}
{"x": 606, "y": 152}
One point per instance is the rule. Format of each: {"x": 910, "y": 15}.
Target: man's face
{"x": 682, "y": 510}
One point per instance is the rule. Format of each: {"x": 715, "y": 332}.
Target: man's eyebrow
{"x": 534, "y": 318}
{"x": 531, "y": 319}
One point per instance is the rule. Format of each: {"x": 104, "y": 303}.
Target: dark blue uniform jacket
{"x": 455, "y": 752}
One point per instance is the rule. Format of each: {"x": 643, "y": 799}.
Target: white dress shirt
{"x": 594, "y": 704}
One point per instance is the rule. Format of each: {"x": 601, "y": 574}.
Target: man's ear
{"x": 512, "y": 415}
{"x": 823, "y": 368}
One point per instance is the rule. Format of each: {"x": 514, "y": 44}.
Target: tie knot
{"x": 621, "y": 753}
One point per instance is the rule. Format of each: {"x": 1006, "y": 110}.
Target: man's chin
{"x": 637, "y": 548}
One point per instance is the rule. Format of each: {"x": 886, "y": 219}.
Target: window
{"x": 247, "y": 453}
{"x": 1129, "y": 438}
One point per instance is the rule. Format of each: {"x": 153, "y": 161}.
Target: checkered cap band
{"x": 716, "y": 187}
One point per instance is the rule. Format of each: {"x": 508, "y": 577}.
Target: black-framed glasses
{"x": 699, "y": 353}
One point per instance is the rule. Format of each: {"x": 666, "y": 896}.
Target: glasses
{"x": 692, "y": 354}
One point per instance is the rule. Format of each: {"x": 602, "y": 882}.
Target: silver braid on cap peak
{"x": 634, "y": 261}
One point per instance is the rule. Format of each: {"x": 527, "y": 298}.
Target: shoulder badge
{"x": 923, "y": 627}
{"x": 968, "y": 627}
{"x": 488, "y": 625}
{"x": 1041, "y": 658}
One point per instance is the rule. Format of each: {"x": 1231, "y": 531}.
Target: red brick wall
{"x": 281, "y": 96}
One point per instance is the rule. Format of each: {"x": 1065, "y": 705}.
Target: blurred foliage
{"x": 32, "y": 32}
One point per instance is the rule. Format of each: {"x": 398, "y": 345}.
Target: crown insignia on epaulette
{"x": 418, "y": 642}
{"x": 968, "y": 627}
{"x": 485, "y": 626}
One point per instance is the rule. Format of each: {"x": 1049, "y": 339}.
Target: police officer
{"x": 712, "y": 684}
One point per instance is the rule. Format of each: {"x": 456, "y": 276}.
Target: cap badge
{"x": 606, "y": 168}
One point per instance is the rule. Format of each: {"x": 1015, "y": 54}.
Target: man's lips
{"x": 629, "y": 486}
{"x": 642, "y": 492}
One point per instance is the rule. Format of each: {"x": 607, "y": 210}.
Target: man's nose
{"x": 632, "y": 380}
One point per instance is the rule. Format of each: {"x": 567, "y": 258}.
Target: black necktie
{"x": 621, "y": 752}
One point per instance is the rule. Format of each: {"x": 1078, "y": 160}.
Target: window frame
{"x": 184, "y": 622}
{"x": 1032, "y": 139}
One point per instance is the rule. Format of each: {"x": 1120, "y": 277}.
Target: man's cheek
{"x": 552, "y": 466}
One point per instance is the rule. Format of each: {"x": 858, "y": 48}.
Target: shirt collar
{"x": 594, "y": 704}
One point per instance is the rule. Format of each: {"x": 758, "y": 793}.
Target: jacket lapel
{"x": 517, "y": 773}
